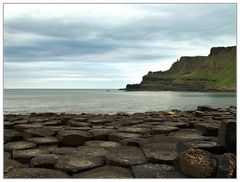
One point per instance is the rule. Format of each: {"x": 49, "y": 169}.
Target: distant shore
{"x": 157, "y": 144}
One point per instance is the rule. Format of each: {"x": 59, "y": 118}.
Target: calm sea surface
{"x": 109, "y": 101}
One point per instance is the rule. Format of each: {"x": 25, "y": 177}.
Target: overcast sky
{"x": 106, "y": 46}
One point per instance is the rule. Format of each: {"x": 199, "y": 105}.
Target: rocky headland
{"x": 198, "y": 143}
{"x": 215, "y": 72}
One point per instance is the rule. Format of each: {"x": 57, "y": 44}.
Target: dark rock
{"x": 44, "y": 161}
{"x": 177, "y": 124}
{"x": 85, "y": 128}
{"x": 133, "y": 142}
{"x": 134, "y": 130}
{"x": 24, "y": 156}
{"x": 101, "y": 134}
{"x": 39, "y": 132}
{"x": 22, "y": 127}
{"x": 227, "y": 135}
{"x": 205, "y": 108}
{"x": 53, "y": 123}
{"x": 207, "y": 129}
{"x": 7, "y": 155}
{"x": 8, "y": 125}
{"x": 197, "y": 163}
{"x": 227, "y": 166}
{"x": 100, "y": 143}
{"x": 77, "y": 164}
{"x": 209, "y": 146}
{"x": 188, "y": 134}
{"x": 98, "y": 121}
{"x": 120, "y": 136}
{"x": 19, "y": 145}
{"x": 80, "y": 119}
{"x": 90, "y": 151}
{"x": 105, "y": 172}
{"x": 125, "y": 156}
{"x": 35, "y": 173}
{"x": 157, "y": 120}
{"x": 73, "y": 137}
{"x": 44, "y": 140}
{"x": 77, "y": 123}
{"x": 54, "y": 128}
{"x": 155, "y": 171}
{"x": 142, "y": 125}
{"x": 163, "y": 129}
{"x": 63, "y": 150}
{"x": 9, "y": 165}
{"x": 12, "y": 135}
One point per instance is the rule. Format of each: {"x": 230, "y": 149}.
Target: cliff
{"x": 215, "y": 72}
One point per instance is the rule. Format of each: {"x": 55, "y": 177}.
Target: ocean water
{"x": 109, "y": 101}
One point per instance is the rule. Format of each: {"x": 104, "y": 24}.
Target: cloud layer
{"x": 106, "y": 45}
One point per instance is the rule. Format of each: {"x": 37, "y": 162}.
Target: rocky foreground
{"x": 178, "y": 144}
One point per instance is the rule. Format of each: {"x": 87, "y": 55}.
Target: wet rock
{"x": 98, "y": 121}
{"x": 19, "y": 145}
{"x": 39, "y": 132}
{"x": 157, "y": 120}
{"x": 54, "y": 128}
{"x": 209, "y": 146}
{"x": 12, "y": 135}
{"x": 125, "y": 156}
{"x": 134, "y": 130}
{"x": 24, "y": 156}
{"x": 73, "y": 138}
{"x": 63, "y": 150}
{"x": 197, "y": 163}
{"x": 163, "y": 129}
{"x": 207, "y": 129}
{"x": 227, "y": 135}
{"x": 133, "y": 142}
{"x": 77, "y": 123}
{"x": 188, "y": 134}
{"x": 53, "y": 123}
{"x": 77, "y": 164}
{"x": 35, "y": 173}
{"x": 155, "y": 171}
{"x": 117, "y": 137}
{"x": 22, "y": 127}
{"x": 7, "y": 155}
{"x": 105, "y": 172}
{"x": 177, "y": 124}
{"x": 227, "y": 166}
{"x": 100, "y": 143}
{"x": 44, "y": 140}
{"x": 205, "y": 108}
{"x": 101, "y": 134}
{"x": 8, "y": 125}
{"x": 44, "y": 161}
{"x": 80, "y": 119}
{"x": 144, "y": 125}
{"x": 90, "y": 151}
{"x": 86, "y": 128}
{"x": 9, "y": 165}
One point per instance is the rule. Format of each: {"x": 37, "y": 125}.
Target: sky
{"x": 106, "y": 45}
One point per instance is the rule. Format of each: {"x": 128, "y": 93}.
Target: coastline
{"x": 160, "y": 144}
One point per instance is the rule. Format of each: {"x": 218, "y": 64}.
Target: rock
{"x": 22, "y": 127}
{"x": 39, "y": 132}
{"x": 44, "y": 140}
{"x": 227, "y": 135}
{"x": 209, "y": 146}
{"x": 54, "y": 128}
{"x": 86, "y": 128}
{"x": 133, "y": 142}
{"x": 163, "y": 129}
{"x": 227, "y": 166}
{"x": 142, "y": 125}
{"x": 19, "y": 145}
{"x": 105, "y": 172}
{"x": 197, "y": 163}
{"x": 9, "y": 165}
{"x": 44, "y": 161}
{"x": 77, "y": 164}
{"x": 101, "y": 134}
{"x": 155, "y": 171}
{"x": 157, "y": 120}
{"x": 76, "y": 123}
{"x": 188, "y": 134}
{"x": 12, "y": 135}
{"x": 205, "y": 108}
{"x": 7, "y": 155}
{"x": 98, "y": 121}
{"x": 125, "y": 156}
{"x": 80, "y": 119}
{"x": 134, "y": 130}
{"x": 117, "y": 137}
{"x": 89, "y": 151}
{"x": 63, "y": 150}
{"x": 24, "y": 156}
{"x": 207, "y": 129}
{"x": 73, "y": 138}
{"x": 100, "y": 143}
{"x": 35, "y": 173}
{"x": 8, "y": 125}
{"x": 177, "y": 124}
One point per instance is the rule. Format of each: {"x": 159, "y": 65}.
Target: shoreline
{"x": 158, "y": 144}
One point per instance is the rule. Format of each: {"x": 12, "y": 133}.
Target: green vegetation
{"x": 215, "y": 72}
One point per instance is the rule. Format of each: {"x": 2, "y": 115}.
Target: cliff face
{"x": 215, "y": 72}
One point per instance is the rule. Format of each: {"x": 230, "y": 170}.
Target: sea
{"x": 108, "y": 101}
